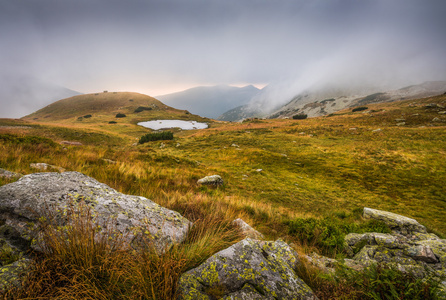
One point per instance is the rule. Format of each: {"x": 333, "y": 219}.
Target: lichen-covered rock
{"x": 24, "y": 202}
{"x": 8, "y": 174}
{"x": 214, "y": 180}
{"x": 398, "y": 223}
{"x": 421, "y": 253}
{"x": 250, "y": 269}
{"x": 325, "y": 264}
{"x": 247, "y": 230}
{"x": 10, "y": 274}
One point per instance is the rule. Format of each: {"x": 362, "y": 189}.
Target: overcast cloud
{"x": 158, "y": 47}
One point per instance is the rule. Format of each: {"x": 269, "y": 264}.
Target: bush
{"x": 87, "y": 116}
{"x": 27, "y": 140}
{"x": 300, "y": 116}
{"x": 328, "y": 233}
{"x": 156, "y": 136}
{"x": 375, "y": 282}
{"x": 119, "y": 115}
{"x": 112, "y": 122}
{"x": 360, "y": 108}
{"x": 142, "y": 108}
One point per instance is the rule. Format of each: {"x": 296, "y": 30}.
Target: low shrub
{"x": 300, "y": 116}
{"x": 360, "y": 108}
{"x": 87, "y": 116}
{"x": 112, "y": 122}
{"x": 156, "y": 136}
{"x": 119, "y": 115}
{"x": 142, "y": 108}
{"x": 29, "y": 140}
{"x": 375, "y": 282}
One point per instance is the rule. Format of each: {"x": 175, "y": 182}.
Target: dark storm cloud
{"x": 154, "y": 46}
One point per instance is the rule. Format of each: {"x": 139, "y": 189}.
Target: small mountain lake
{"x": 164, "y": 124}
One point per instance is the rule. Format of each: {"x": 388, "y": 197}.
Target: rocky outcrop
{"x": 249, "y": 269}
{"x": 24, "y": 202}
{"x": 408, "y": 248}
{"x": 214, "y": 180}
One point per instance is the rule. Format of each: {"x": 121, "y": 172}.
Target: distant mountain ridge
{"x": 210, "y": 101}
{"x": 329, "y": 100}
{"x": 27, "y": 94}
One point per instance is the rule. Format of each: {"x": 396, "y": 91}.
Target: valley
{"x": 389, "y": 156}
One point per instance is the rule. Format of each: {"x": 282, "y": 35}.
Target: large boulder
{"x": 25, "y": 202}
{"x": 249, "y": 269}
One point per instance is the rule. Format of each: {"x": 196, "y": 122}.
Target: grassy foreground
{"x": 284, "y": 177}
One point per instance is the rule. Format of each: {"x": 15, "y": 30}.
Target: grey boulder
{"x": 24, "y": 202}
{"x": 249, "y": 269}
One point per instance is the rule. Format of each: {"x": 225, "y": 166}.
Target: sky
{"x": 158, "y": 47}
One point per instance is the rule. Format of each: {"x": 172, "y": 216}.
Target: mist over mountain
{"x": 22, "y": 95}
{"x": 326, "y": 99}
{"x": 210, "y": 101}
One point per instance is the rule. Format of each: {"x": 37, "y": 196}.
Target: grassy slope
{"x": 311, "y": 166}
{"x": 315, "y": 167}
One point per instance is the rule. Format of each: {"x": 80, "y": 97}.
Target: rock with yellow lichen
{"x": 250, "y": 269}
{"x": 25, "y": 202}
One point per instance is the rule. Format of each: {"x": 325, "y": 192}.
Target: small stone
{"x": 401, "y": 124}
{"x": 259, "y": 170}
{"x": 45, "y": 167}
{"x": 235, "y": 145}
{"x": 377, "y": 130}
{"x": 214, "y": 180}
{"x": 109, "y": 161}
{"x": 247, "y": 230}
{"x": 70, "y": 143}
{"x": 436, "y": 119}
{"x": 7, "y": 174}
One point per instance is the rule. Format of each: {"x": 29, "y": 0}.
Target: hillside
{"x": 100, "y": 104}
{"x": 210, "y": 101}
{"x": 98, "y": 112}
{"x": 305, "y": 182}
{"x": 321, "y": 102}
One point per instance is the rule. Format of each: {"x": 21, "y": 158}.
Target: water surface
{"x": 164, "y": 124}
